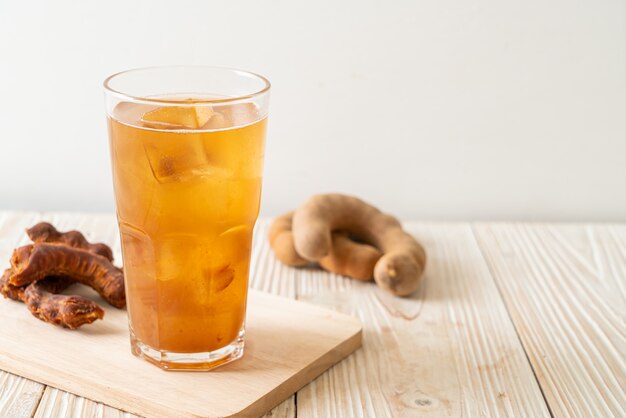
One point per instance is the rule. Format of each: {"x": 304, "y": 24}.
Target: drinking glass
{"x": 187, "y": 148}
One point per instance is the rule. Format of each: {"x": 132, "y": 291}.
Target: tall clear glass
{"x": 187, "y": 147}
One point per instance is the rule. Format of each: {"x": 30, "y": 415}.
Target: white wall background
{"x": 437, "y": 109}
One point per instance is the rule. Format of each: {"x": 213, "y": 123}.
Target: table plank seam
{"x": 508, "y": 312}
{"x": 40, "y": 397}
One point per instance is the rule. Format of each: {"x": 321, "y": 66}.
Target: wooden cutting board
{"x": 288, "y": 344}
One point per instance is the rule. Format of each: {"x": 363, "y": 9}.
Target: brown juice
{"x": 188, "y": 184}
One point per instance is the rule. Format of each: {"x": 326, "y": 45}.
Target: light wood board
{"x": 449, "y": 350}
{"x": 288, "y": 343}
{"x": 459, "y": 347}
{"x": 571, "y": 318}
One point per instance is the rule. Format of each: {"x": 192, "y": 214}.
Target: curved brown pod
{"x": 404, "y": 259}
{"x": 347, "y": 257}
{"x": 281, "y": 241}
{"x": 43, "y": 301}
{"x": 34, "y": 262}
{"x": 46, "y": 232}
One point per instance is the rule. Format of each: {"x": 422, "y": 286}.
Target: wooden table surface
{"x": 511, "y": 320}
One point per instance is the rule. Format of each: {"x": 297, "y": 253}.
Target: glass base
{"x": 168, "y": 360}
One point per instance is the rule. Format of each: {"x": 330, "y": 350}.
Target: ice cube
{"x": 130, "y": 113}
{"x": 139, "y": 266}
{"x": 217, "y": 121}
{"x": 178, "y": 257}
{"x": 228, "y": 257}
{"x": 182, "y": 160}
{"x": 233, "y": 245}
{"x": 221, "y": 277}
{"x": 242, "y": 114}
{"x": 177, "y": 117}
{"x": 171, "y": 163}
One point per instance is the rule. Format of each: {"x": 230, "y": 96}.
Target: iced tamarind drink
{"x": 187, "y": 146}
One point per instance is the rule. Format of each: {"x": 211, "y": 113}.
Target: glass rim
{"x": 174, "y": 102}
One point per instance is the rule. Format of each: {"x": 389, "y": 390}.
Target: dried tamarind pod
{"x": 35, "y": 261}
{"x": 403, "y": 261}
{"x": 43, "y": 302}
{"x": 53, "y": 285}
{"x": 347, "y": 257}
{"x": 46, "y": 232}
{"x": 42, "y": 270}
{"x": 7, "y": 289}
{"x": 69, "y": 311}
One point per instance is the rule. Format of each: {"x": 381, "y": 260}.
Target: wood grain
{"x": 603, "y": 247}
{"x": 56, "y": 403}
{"x": 290, "y": 343}
{"x": 18, "y": 396}
{"x": 264, "y": 278}
{"x": 450, "y": 350}
{"x": 573, "y": 327}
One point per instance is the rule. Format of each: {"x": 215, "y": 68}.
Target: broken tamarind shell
{"x": 43, "y": 302}
{"x": 53, "y": 285}
{"x": 46, "y": 232}
{"x": 403, "y": 261}
{"x": 35, "y": 261}
{"x": 54, "y": 262}
{"x": 69, "y": 311}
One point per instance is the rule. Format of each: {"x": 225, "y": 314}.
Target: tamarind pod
{"x": 403, "y": 260}
{"x": 42, "y": 301}
{"x": 69, "y": 311}
{"x": 350, "y": 258}
{"x": 346, "y": 257}
{"x": 46, "y": 232}
{"x": 35, "y": 261}
{"x": 281, "y": 241}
